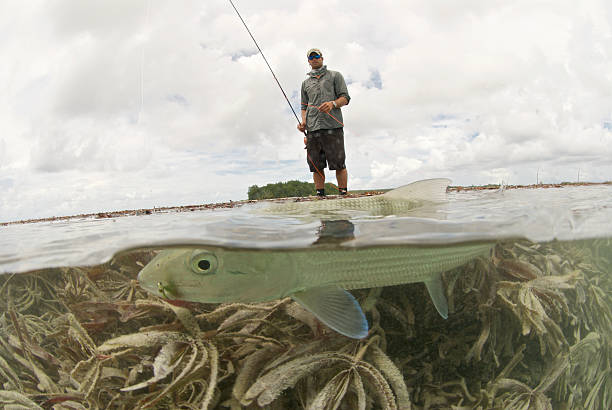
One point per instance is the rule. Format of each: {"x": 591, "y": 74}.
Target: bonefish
{"x": 396, "y": 201}
{"x": 317, "y": 278}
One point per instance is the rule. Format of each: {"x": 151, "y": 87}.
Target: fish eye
{"x": 204, "y": 263}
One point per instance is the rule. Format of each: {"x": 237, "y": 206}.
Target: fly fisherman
{"x": 323, "y": 93}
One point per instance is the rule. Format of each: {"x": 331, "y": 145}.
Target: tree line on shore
{"x": 286, "y": 190}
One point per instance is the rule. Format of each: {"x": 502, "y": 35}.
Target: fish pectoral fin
{"x": 436, "y": 292}
{"x": 335, "y": 307}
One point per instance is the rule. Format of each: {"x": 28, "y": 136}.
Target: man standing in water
{"x": 323, "y": 93}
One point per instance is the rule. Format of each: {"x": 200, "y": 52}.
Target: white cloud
{"x": 117, "y": 104}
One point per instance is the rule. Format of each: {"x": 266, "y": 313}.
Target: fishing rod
{"x": 281, "y": 88}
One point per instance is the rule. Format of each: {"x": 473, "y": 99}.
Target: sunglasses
{"x": 313, "y": 56}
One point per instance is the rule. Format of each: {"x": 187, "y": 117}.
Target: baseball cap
{"x": 314, "y": 50}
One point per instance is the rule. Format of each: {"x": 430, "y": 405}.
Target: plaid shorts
{"x": 326, "y": 146}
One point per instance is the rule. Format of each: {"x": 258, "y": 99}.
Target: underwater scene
{"x": 486, "y": 300}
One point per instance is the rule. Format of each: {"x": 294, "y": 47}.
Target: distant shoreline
{"x": 233, "y": 204}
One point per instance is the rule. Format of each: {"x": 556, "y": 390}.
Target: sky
{"x": 114, "y": 104}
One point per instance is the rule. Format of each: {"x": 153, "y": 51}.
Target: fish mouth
{"x": 139, "y": 279}
{"x": 146, "y": 284}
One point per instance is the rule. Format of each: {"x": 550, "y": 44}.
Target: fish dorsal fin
{"x": 426, "y": 190}
{"x": 436, "y": 292}
{"x": 337, "y": 308}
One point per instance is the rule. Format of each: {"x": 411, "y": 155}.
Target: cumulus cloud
{"x": 127, "y": 104}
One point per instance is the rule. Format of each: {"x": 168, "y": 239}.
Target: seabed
{"x": 529, "y": 328}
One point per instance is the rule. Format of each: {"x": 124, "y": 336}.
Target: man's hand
{"x": 326, "y": 106}
{"x": 301, "y": 127}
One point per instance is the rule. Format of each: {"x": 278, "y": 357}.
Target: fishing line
{"x": 281, "y": 88}
{"x": 328, "y": 113}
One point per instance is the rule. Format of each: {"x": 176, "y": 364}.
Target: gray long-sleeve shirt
{"x": 323, "y": 85}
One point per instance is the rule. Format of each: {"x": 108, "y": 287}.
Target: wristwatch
{"x": 335, "y": 105}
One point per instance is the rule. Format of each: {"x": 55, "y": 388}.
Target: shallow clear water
{"x": 529, "y": 324}
{"x": 536, "y": 214}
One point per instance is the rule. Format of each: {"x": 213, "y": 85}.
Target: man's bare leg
{"x": 342, "y": 178}
{"x": 319, "y": 179}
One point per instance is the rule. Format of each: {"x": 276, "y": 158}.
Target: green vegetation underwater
{"x": 529, "y": 327}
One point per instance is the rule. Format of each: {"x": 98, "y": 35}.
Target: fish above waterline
{"x": 317, "y": 277}
{"x": 397, "y": 201}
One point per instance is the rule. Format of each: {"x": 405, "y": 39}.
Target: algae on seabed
{"x": 529, "y": 327}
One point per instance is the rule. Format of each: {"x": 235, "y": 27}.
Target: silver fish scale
{"x": 377, "y": 203}
{"x": 385, "y": 266}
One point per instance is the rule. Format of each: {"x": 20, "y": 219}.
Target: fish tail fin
{"x": 428, "y": 189}
{"x": 436, "y": 292}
